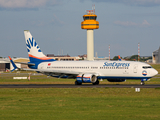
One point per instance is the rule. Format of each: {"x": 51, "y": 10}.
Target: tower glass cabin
{"x": 90, "y": 22}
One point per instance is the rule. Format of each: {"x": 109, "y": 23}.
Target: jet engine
{"x": 86, "y": 78}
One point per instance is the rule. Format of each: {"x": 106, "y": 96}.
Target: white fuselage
{"x": 103, "y": 69}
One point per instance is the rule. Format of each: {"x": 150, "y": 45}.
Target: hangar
{"x": 4, "y": 64}
{"x": 156, "y": 56}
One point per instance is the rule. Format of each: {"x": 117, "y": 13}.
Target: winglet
{"x": 119, "y": 57}
{"x": 14, "y": 65}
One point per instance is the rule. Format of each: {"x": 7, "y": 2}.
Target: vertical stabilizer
{"x": 34, "y": 52}
{"x": 13, "y": 64}
{"x": 119, "y": 57}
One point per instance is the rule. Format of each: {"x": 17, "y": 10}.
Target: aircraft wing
{"x": 59, "y": 73}
{"x": 25, "y": 63}
{"x": 52, "y": 71}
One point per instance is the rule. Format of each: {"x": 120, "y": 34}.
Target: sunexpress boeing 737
{"x": 85, "y": 71}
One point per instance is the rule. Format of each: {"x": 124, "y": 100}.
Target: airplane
{"x": 84, "y": 71}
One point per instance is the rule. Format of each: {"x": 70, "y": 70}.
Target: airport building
{"x": 101, "y": 58}
{"x": 62, "y": 57}
{"x": 4, "y": 64}
{"x": 156, "y": 56}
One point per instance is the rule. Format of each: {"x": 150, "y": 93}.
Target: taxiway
{"x": 78, "y": 86}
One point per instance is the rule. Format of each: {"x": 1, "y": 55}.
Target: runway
{"x": 78, "y": 86}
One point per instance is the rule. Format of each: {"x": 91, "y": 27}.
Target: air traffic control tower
{"x": 90, "y": 24}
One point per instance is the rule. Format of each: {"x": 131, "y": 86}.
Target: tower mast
{"x": 90, "y": 24}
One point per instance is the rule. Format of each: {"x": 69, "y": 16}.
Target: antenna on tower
{"x": 91, "y": 11}
{"x": 109, "y": 52}
{"x": 138, "y": 51}
{"x": 93, "y": 8}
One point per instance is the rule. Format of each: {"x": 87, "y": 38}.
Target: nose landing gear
{"x": 142, "y": 82}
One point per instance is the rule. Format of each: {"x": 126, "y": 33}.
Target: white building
{"x": 156, "y": 56}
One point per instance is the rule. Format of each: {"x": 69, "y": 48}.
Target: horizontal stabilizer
{"x": 26, "y": 63}
{"x": 14, "y": 65}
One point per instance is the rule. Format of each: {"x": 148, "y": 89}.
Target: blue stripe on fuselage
{"x": 37, "y": 61}
{"x": 34, "y": 60}
{"x": 113, "y": 77}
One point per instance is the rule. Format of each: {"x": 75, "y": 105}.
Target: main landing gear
{"x": 77, "y": 83}
{"x": 96, "y": 83}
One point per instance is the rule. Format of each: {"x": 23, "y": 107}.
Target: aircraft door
{"x": 135, "y": 68}
{"x": 42, "y": 66}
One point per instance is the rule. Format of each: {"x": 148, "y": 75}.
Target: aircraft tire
{"x": 77, "y": 83}
{"x": 96, "y": 83}
{"x": 142, "y": 83}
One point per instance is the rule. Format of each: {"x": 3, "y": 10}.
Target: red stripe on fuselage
{"x": 41, "y": 58}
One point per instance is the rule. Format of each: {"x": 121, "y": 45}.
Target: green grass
{"x": 79, "y": 103}
{"x": 44, "y": 80}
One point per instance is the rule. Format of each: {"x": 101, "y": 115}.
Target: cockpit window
{"x": 146, "y": 67}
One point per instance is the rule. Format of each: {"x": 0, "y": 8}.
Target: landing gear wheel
{"x": 77, "y": 83}
{"x": 142, "y": 83}
{"x": 96, "y": 83}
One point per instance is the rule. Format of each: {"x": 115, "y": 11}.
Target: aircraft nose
{"x": 155, "y": 72}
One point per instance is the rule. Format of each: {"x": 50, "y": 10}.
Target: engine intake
{"x": 86, "y": 78}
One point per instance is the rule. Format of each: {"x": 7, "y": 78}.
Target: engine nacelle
{"x": 86, "y": 78}
{"x": 116, "y": 80}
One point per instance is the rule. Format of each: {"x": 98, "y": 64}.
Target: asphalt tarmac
{"x": 78, "y": 86}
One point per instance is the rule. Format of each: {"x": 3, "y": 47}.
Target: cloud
{"x": 26, "y": 4}
{"x": 145, "y": 3}
{"x": 129, "y": 23}
{"x": 145, "y": 23}
{"x": 56, "y": 20}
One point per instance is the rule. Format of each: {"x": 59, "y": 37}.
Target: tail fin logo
{"x": 31, "y": 44}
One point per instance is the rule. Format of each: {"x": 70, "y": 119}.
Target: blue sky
{"x": 56, "y": 26}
